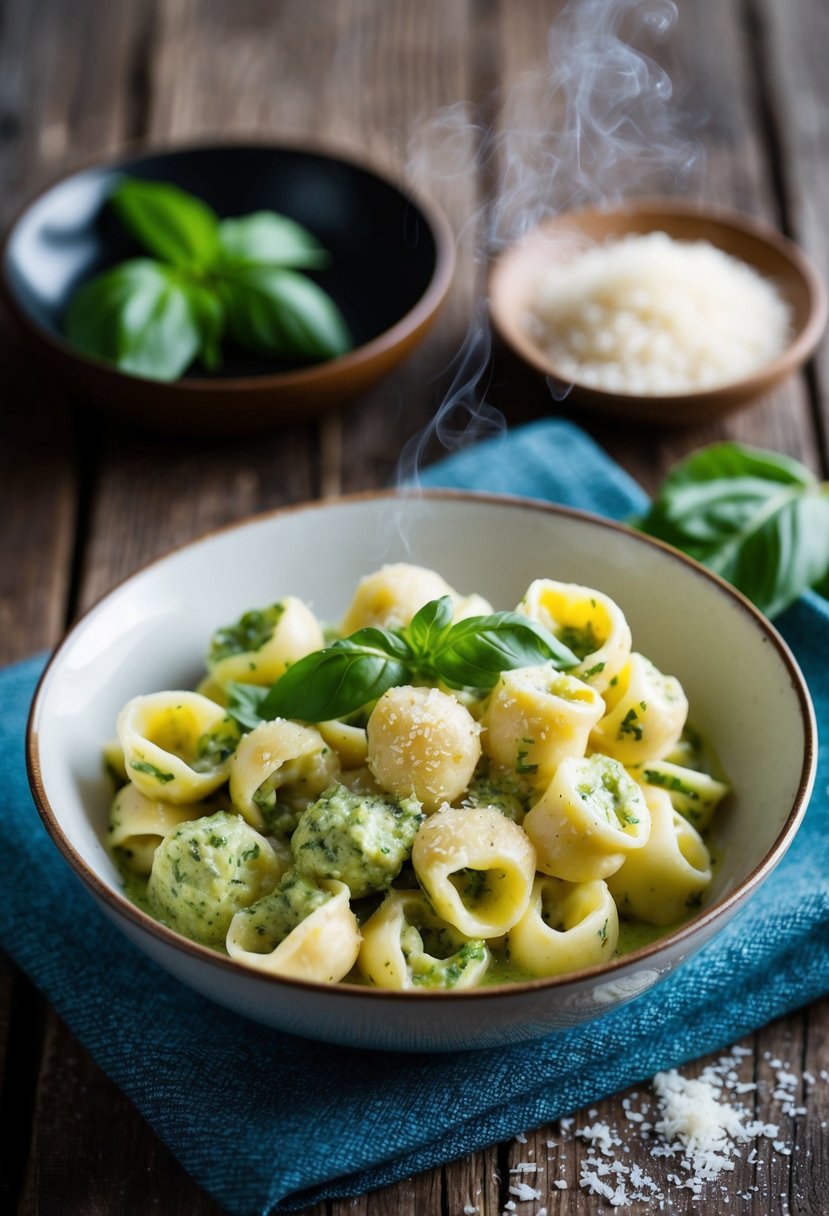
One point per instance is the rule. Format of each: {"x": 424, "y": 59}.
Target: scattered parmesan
{"x": 693, "y": 1123}
{"x": 652, "y": 315}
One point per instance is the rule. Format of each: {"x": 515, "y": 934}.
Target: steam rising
{"x": 611, "y": 129}
{"x": 464, "y": 415}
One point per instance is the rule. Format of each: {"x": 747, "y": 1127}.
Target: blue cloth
{"x": 269, "y": 1123}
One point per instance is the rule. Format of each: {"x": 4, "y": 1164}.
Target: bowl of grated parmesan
{"x": 665, "y": 311}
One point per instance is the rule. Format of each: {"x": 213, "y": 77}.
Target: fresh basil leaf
{"x": 278, "y": 312}
{"x": 476, "y": 650}
{"x": 759, "y": 519}
{"x": 137, "y": 316}
{"x": 174, "y": 225}
{"x": 429, "y": 626}
{"x": 209, "y": 314}
{"x": 781, "y": 554}
{"x": 245, "y": 704}
{"x": 333, "y": 682}
{"x": 270, "y": 239}
{"x": 372, "y": 638}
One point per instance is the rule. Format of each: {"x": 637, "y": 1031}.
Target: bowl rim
{"x": 797, "y": 350}
{"x": 411, "y": 321}
{"x": 119, "y": 903}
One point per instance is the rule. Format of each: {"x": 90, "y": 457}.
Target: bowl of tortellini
{"x": 426, "y": 771}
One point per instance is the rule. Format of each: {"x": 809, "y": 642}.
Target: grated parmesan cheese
{"x": 650, "y": 315}
{"x": 692, "y": 1124}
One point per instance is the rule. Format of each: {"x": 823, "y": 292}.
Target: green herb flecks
{"x": 250, "y": 633}
{"x": 630, "y": 725}
{"x": 144, "y": 766}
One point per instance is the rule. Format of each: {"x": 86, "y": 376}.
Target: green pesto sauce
{"x": 633, "y": 935}
{"x": 135, "y": 889}
{"x": 250, "y": 633}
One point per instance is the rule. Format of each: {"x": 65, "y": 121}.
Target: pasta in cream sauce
{"x": 502, "y": 812}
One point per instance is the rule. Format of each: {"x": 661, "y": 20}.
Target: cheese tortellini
{"x": 587, "y": 622}
{"x": 406, "y": 945}
{"x": 280, "y": 766}
{"x": 423, "y": 742}
{"x": 536, "y": 718}
{"x": 589, "y": 818}
{"x": 520, "y": 809}
{"x": 304, "y": 930}
{"x": 668, "y": 876}
{"x": 477, "y": 867}
{"x": 567, "y": 926}
{"x": 259, "y": 647}
{"x": 168, "y": 741}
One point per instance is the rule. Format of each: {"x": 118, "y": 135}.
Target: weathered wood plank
{"x": 52, "y": 114}
{"x": 791, "y": 53}
{"x": 91, "y": 1152}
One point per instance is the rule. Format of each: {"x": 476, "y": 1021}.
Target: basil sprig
{"x": 354, "y": 671}
{"x": 208, "y": 278}
{"x": 760, "y": 519}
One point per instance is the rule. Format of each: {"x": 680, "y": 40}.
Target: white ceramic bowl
{"x": 744, "y": 687}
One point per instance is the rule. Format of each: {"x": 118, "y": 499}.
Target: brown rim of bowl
{"x": 428, "y": 303}
{"x": 121, "y": 905}
{"x": 797, "y": 351}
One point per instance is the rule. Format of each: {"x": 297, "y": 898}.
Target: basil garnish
{"x": 354, "y": 671}
{"x": 245, "y": 703}
{"x": 760, "y": 519}
{"x": 239, "y": 277}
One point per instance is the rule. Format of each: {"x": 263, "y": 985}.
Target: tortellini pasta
{"x": 536, "y": 718}
{"x": 259, "y": 647}
{"x": 696, "y": 795}
{"x": 407, "y": 946}
{"x": 512, "y": 812}
{"x": 303, "y": 930}
{"x": 566, "y": 926}
{"x": 168, "y": 743}
{"x": 587, "y": 622}
{"x": 138, "y": 824}
{"x": 390, "y": 597}
{"x": 423, "y": 742}
{"x": 666, "y": 878}
{"x": 280, "y": 764}
{"x": 588, "y": 820}
{"x": 646, "y": 713}
{"x": 477, "y": 868}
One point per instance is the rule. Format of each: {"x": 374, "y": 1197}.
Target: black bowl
{"x": 392, "y": 258}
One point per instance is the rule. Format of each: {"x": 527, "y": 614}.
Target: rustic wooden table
{"x": 87, "y": 501}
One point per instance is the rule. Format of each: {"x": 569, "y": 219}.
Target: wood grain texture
{"x": 418, "y": 89}
{"x": 791, "y": 41}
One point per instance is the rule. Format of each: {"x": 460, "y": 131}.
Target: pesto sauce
{"x": 633, "y": 934}
{"x": 135, "y": 889}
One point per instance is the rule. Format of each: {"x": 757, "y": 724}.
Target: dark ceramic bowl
{"x": 392, "y": 258}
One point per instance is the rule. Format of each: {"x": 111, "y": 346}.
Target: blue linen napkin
{"x": 276, "y": 1123}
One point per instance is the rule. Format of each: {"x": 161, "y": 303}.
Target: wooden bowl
{"x": 391, "y": 267}
{"x": 516, "y": 274}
